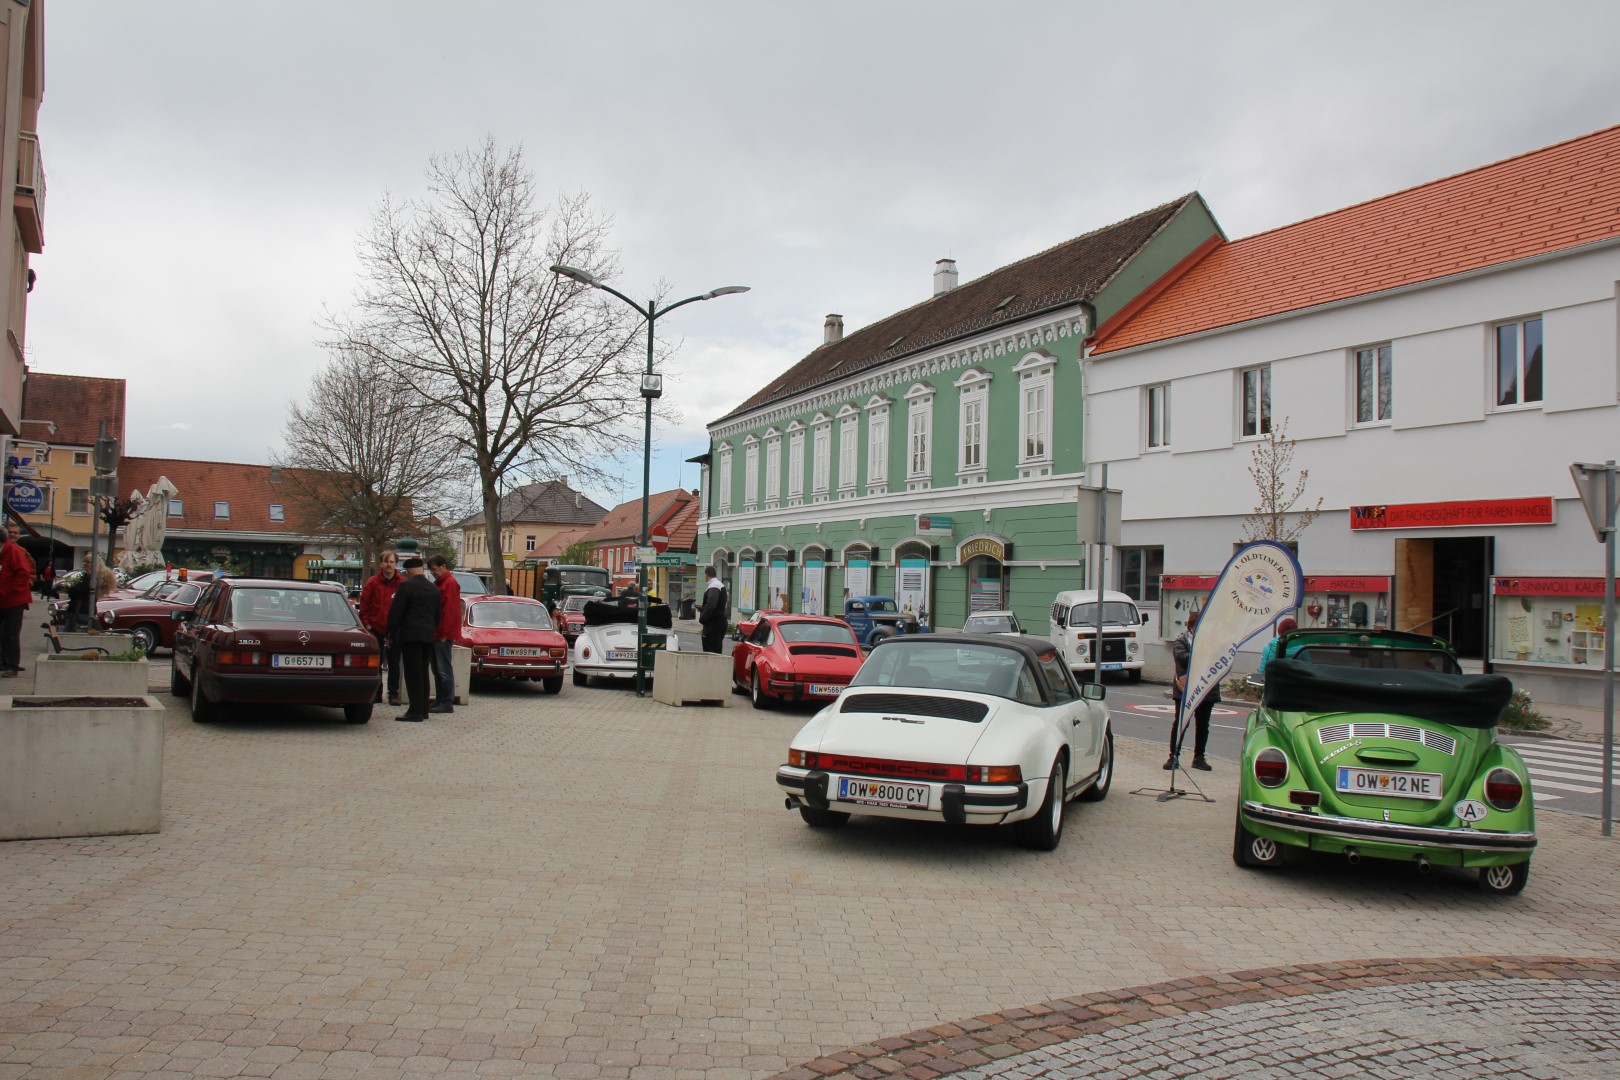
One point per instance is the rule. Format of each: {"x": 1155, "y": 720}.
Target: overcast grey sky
{"x": 211, "y": 163}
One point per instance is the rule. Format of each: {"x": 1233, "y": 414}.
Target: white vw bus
{"x": 1074, "y": 628}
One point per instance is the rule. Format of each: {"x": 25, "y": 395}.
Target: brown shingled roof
{"x": 550, "y": 502}
{"x": 1559, "y": 197}
{"x": 76, "y": 404}
{"x": 1074, "y": 270}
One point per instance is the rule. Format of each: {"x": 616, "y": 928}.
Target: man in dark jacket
{"x": 413, "y": 620}
{"x": 713, "y": 615}
{"x": 1181, "y": 653}
{"x": 375, "y": 598}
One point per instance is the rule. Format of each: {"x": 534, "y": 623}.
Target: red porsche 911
{"x": 795, "y": 658}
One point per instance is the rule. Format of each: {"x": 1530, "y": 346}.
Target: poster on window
{"x": 814, "y": 587}
{"x": 911, "y": 590}
{"x": 779, "y": 585}
{"x": 858, "y": 577}
{"x": 985, "y": 594}
{"x": 745, "y": 586}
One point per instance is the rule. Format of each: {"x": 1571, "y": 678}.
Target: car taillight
{"x": 237, "y": 658}
{"x": 994, "y": 774}
{"x": 1503, "y": 789}
{"x": 558, "y": 652}
{"x": 1270, "y": 767}
{"x": 357, "y": 660}
{"x": 803, "y": 759}
{"x": 585, "y": 652}
{"x": 480, "y": 650}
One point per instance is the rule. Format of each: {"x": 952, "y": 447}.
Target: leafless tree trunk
{"x": 1271, "y": 466}
{"x": 363, "y": 454}
{"x": 536, "y": 374}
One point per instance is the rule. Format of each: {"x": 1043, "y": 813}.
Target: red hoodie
{"x": 449, "y": 608}
{"x": 375, "y": 597}
{"x": 16, "y": 575}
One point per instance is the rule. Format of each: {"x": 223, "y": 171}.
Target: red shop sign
{"x": 1449, "y": 515}
{"x": 1550, "y": 586}
{"x": 1345, "y": 583}
{"x": 1187, "y": 581}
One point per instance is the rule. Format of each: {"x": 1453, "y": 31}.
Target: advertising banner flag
{"x": 1259, "y": 586}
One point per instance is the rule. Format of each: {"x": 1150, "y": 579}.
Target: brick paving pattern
{"x": 592, "y": 885}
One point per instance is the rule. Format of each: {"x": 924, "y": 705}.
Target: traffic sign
{"x": 25, "y": 497}
{"x": 645, "y": 555}
{"x": 23, "y": 472}
{"x": 659, "y": 539}
{"x": 1599, "y": 494}
{"x": 660, "y": 560}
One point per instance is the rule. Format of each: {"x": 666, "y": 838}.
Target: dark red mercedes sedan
{"x": 264, "y": 641}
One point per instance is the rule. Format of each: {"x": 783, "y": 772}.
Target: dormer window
{"x": 278, "y": 512}
{"x": 177, "y": 508}
{"x": 222, "y": 511}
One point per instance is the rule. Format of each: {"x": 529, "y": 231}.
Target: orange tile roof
{"x": 623, "y": 522}
{"x": 76, "y": 404}
{"x": 1548, "y": 200}
{"x": 553, "y": 546}
{"x": 682, "y": 526}
{"x": 248, "y": 489}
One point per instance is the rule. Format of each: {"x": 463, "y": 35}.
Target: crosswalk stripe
{"x": 1561, "y": 763}
{"x": 1560, "y": 746}
{"x": 1540, "y": 783}
{"x": 1590, "y": 776}
{"x": 1541, "y": 798}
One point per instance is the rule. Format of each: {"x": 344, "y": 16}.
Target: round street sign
{"x": 25, "y": 497}
{"x": 659, "y": 539}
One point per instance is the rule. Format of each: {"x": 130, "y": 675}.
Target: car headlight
{"x": 106, "y": 618}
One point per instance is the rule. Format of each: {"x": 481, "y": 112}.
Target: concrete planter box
{"x": 82, "y": 766}
{"x": 113, "y": 643}
{"x": 461, "y": 668}
{"x": 59, "y": 675}
{"x": 691, "y": 678}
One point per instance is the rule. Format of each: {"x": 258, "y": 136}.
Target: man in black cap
{"x": 413, "y": 617}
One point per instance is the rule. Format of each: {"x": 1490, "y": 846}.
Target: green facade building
{"x": 936, "y": 455}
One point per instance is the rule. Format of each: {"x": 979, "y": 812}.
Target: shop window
{"x": 1374, "y": 384}
{"x": 1139, "y": 571}
{"x": 1254, "y": 394}
{"x": 278, "y": 512}
{"x": 1518, "y": 363}
{"x": 1158, "y": 416}
{"x": 222, "y": 510}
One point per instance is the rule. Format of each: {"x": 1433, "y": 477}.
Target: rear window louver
{"x": 822, "y": 650}
{"x": 914, "y": 704}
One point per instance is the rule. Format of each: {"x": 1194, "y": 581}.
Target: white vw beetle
{"x": 986, "y": 730}
{"x": 606, "y": 647}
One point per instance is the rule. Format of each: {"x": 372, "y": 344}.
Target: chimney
{"x": 834, "y": 330}
{"x": 944, "y": 275}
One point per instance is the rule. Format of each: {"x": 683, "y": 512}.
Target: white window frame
{"x": 176, "y": 508}
{"x": 773, "y": 468}
{"x": 919, "y": 437}
{"x": 222, "y": 505}
{"x": 796, "y": 462}
{"x": 877, "y": 444}
{"x": 821, "y": 448}
{"x": 1036, "y": 379}
{"x": 1518, "y": 327}
{"x": 849, "y": 430}
{"x": 750, "y": 474}
{"x": 1381, "y": 410}
{"x": 278, "y": 512}
{"x": 1156, "y": 417}
{"x": 725, "y": 479}
{"x": 973, "y": 426}
{"x": 1254, "y": 382}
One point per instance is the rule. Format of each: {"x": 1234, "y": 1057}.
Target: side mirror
{"x": 1145, "y": 618}
{"x": 179, "y": 616}
{"x": 1091, "y": 691}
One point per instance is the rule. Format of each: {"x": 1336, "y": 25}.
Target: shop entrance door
{"x": 1462, "y": 572}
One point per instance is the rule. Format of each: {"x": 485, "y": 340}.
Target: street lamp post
{"x": 652, "y": 386}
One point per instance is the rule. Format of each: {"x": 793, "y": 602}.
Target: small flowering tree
{"x": 1271, "y": 466}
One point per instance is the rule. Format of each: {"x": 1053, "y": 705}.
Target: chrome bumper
{"x": 1388, "y": 832}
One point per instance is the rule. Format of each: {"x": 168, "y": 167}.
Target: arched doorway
{"x": 983, "y": 558}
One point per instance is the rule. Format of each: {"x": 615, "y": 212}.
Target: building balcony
{"x": 30, "y": 199}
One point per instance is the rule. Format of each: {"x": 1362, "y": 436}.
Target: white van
{"x": 1074, "y": 625}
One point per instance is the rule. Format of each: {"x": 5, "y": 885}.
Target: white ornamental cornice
{"x": 901, "y": 373}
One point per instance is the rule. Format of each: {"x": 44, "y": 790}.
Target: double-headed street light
{"x": 652, "y": 386}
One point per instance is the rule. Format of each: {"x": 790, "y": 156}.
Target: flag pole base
{"x": 1174, "y": 792}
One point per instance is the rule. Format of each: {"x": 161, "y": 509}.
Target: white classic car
{"x": 606, "y": 646}
{"x": 983, "y": 730}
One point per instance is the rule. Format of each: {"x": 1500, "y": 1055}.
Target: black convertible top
{"x": 612, "y": 612}
{"x": 1474, "y": 701}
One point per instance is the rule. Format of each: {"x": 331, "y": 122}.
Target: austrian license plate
{"x": 883, "y": 793}
{"x": 1113, "y": 667}
{"x": 299, "y": 660}
{"x": 515, "y": 650}
{"x": 824, "y": 689}
{"x": 621, "y": 654}
{"x": 1402, "y": 785}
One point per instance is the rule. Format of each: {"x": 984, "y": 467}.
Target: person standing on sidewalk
{"x": 1181, "y": 652}
{"x": 375, "y": 598}
{"x": 444, "y": 641}
{"x": 712, "y": 615}
{"x": 16, "y": 593}
{"x": 413, "y": 620}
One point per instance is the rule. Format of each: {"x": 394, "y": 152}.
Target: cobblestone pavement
{"x": 592, "y": 885}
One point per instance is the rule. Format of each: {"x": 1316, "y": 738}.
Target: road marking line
{"x": 1590, "y": 778}
{"x": 1566, "y": 787}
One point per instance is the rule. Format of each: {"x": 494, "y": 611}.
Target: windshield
{"x": 939, "y": 665}
{"x": 990, "y": 624}
{"x": 271, "y": 605}
{"x": 146, "y": 580}
{"x": 583, "y": 577}
{"x": 577, "y": 603}
{"x": 509, "y": 615}
{"x": 881, "y": 605}
{"x": 471, "y": 584}
{"x": 799, "y": 633}
{"x": 1114, "y": 613}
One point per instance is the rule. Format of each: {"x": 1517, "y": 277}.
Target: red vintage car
{"x": 512, "y": 637}
{"x": 570, "y": 617}
{"x": 145, "y": 583}
{"x": 746, "y": 625}
{"x": 795, "y": 658}
{"x": 149, "y": 619}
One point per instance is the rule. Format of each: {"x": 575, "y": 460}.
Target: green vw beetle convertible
{"x": 1375, "y": 745}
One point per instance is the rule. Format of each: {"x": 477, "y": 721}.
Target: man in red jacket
{"x": 16, "y": 593}
{"x": 376, "y": 596}
{"x": 444, "y": 673}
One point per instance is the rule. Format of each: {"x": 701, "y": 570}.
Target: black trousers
{"x": 11, "y": 620}
{"x": 1200, "y": 725}
{"x": 417, "y": 657}
{"x": 712, "y": 635}
{"x": 391, "y": 660}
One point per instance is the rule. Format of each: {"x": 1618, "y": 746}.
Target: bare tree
{"x": 1271, "y": 466}
{"x": 536, "y": 373}
{"x": 116, "y": 513}
{"x": 363, "y": 455}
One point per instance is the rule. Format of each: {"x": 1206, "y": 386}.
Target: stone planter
{"x": 113, "y": 643}
{"x": 57, "y": 675}
{"x": 80, "y": 766}
{"x": 691, "y": 678}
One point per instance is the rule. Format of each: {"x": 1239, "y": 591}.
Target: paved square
{"x": 595, "y": 885}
